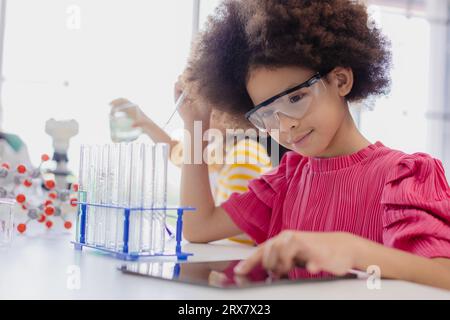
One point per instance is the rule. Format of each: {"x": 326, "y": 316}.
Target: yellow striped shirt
{"x": 245, "y": 161}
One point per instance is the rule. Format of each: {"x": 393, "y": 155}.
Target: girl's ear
{"x": 344, "y": 80}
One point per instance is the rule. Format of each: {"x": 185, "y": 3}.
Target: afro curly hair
{"x": 315, "y": 34}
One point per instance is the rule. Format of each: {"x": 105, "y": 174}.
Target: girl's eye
{"x": 296, "y": 98}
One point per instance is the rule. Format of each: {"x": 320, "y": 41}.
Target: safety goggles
{"x": 294, "y": 102}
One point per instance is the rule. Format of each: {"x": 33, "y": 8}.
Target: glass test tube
{"x": 145, "y": 241}
{"x": 99, "y": 190}
{"x": 91, "y": 194}
{"x": 159, "y": 197}
{"x": 113, "y": 196}
{"x": 136, "y": 169}
{"x": 123, "y": 190}
{"x": 6, "y": 221}
{"x": 82, "y": 184}
{"x": 105, "y": 213}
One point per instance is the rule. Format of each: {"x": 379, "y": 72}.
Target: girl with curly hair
{"x": 336, "y": 201}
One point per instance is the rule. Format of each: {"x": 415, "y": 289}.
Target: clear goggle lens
{"x": 295, "y": 105}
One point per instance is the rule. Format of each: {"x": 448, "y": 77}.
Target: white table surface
{"x": 37, "y": 268}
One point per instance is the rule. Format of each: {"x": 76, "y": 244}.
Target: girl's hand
{"x": 193, "y": 108}
{"x": 330, "y": 252}
{"x": 134, "y": 112}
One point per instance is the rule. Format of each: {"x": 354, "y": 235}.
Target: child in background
{"x": 244, "y": 158}
{"x": 337, "y": 201}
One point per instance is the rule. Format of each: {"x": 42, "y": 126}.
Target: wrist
{"x": 146, "y": 125}
{"x": 142, "y": 121}
{"x": 358, "y": 248}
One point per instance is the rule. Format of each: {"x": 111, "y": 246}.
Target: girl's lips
{"x": 302, "y": 140}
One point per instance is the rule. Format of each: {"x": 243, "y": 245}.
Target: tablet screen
{"x": 219, "y": 274}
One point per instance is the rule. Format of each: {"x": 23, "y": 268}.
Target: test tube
{"x": 136, "y": 194}
{"x": 147, "y": 199}
{"x": 6, "y": 221}
{"x": 113, "y": 196}
{"x": 104, "y": 225}
{"x": 159, "y": 197}
{"x": 100, "y": 193}
{"x": 123, "y": 190}
{"x": 82, "y": 184}
{"x": 91, "y": 194}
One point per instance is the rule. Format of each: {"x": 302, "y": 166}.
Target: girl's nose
{"x": 286, "y": 123}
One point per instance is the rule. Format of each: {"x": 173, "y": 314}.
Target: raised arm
{"x": 156, "y": 133}
{"x": 208, "y": 223}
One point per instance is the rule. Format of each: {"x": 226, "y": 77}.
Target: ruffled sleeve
{"x": 252, "y": 211}
{"x": 416, "y": 202}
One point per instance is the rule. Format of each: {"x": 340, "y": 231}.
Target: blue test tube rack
{"x": 124, "y": 254}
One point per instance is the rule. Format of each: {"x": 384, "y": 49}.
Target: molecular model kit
{"x": 42, "y": 197}
{"x": 38, "y": 199}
